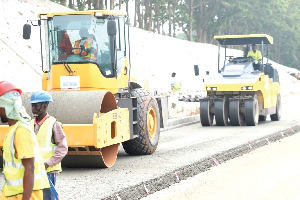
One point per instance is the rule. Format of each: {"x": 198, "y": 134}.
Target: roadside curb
{"x": 176, "y": 123}
{"x": 151, "y": 186}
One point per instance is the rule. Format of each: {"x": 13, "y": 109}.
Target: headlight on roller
{"x": 211, "y": 88}
{"x": 247, "y": 88}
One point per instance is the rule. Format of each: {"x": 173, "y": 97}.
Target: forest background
{"x": 200, "y": 20}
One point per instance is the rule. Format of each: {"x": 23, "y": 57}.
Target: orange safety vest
{"x": 87, "y": 43}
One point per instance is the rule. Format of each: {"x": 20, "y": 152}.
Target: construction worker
{"x": 50, "y": 136}
{"x": 86, "y": 46}
{"x": 23, "y": 167}
{"x": 175, "y": 88}
{"x": 255, "y": 54}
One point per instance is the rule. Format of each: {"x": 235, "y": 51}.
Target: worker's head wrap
{"x": 14, "y": 109}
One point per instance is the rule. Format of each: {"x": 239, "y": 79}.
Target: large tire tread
{"x": 206, "y": 117}
{"x": 252, "y": 111}
{"x": 221, "y": 111}
{"x": 143, "y": 144}
{"x": 235, "y": 117}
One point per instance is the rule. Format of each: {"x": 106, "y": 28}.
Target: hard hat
{"x": 6, "y": 86}
{"x": 40, "y": 96}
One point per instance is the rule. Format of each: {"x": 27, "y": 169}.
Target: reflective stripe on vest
{"x": 44, "y": 137}
{"x": 13, "y": 168}
{"x": 19, "y": 165}
{"x": 20, "y": 181}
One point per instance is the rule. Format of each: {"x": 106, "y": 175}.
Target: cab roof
{"x": 88, "y": 12}
{"x": 244, "y": 39}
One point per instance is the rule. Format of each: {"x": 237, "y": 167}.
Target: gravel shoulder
{"x": 270, "y": 172}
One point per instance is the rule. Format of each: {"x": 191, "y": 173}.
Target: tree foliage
{"x": 201, "y": 20}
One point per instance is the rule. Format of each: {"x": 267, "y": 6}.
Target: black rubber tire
{"x": 235, "y": 115}
{"x": 206, "y": 116}
{"x": 251, "y": 111}
{"x": 277, "y": 115}
{"x": 262, "y": 118}
{"x": 144, "y": 144}
{"x": 221, "y": 111}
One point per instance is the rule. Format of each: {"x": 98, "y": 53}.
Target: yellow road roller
{"x": 245, "y": 91}
{"x": 86, "y": 68}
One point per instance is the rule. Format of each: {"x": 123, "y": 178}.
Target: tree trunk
{"x": 150, "y": 16}
{"x": 146, "y": 14}
{"x": 157, "y": 14}
{"x": 136, "y": 11}
{"x": 174, "y": 20}
{"x": 100, "y": 4}
{"x": 200, "y": 25}
{"x": 78, "y": 3}
{"x": 162, "y": 22}
{"x": 89, "y": 4}
{"x": 127, "y": 8}
{"x": 140, "y": 15}
{"x": 70, "y": 4}
{"x": 191, "y": 20}
{"x": 120, "y": 4}
{"x": 112, "y": 6}
{"x": 97, "y": 4}
{"x": 170, "y": 21}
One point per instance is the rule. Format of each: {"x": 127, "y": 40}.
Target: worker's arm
{"x": 62, "y": 147}
{"x": 28, "y": 179}
{"x": 250, "y": 54}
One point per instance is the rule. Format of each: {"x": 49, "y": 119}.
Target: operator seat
{"x": 259, "y": 67}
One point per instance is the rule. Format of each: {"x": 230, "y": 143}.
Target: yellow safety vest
{"x": 175, "y": 85}
{"x": 13, "y": 168}
{"x": 256, "y": 56}
{"x": 44, "y": 138}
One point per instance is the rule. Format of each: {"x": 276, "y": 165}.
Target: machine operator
{"x": 255, "y": 54}
{"x": 86, "y": 46}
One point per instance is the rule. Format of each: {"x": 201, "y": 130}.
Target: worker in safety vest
{"x": 86, "y": 46}
{"x": 50, "y": 135}
{"x": 175, "y": 83}
{"x": 175, "y": 88}
{"x": 255, "y": 54}
{"x": 23, "y": 166}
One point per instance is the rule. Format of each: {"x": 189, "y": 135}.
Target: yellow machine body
{"x": 95, "y": 98}
{"x": 108, "y": 129}
{"x": 88, "y": 76}
{"x": 264, "y": 87}
{"x": 245, "y": 90}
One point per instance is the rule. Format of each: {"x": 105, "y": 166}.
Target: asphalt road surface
{"x": 182, "y": 152}
{"x": 270, "y": 172}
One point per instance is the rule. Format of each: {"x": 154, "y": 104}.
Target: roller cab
{"x": 244, "y": 91}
